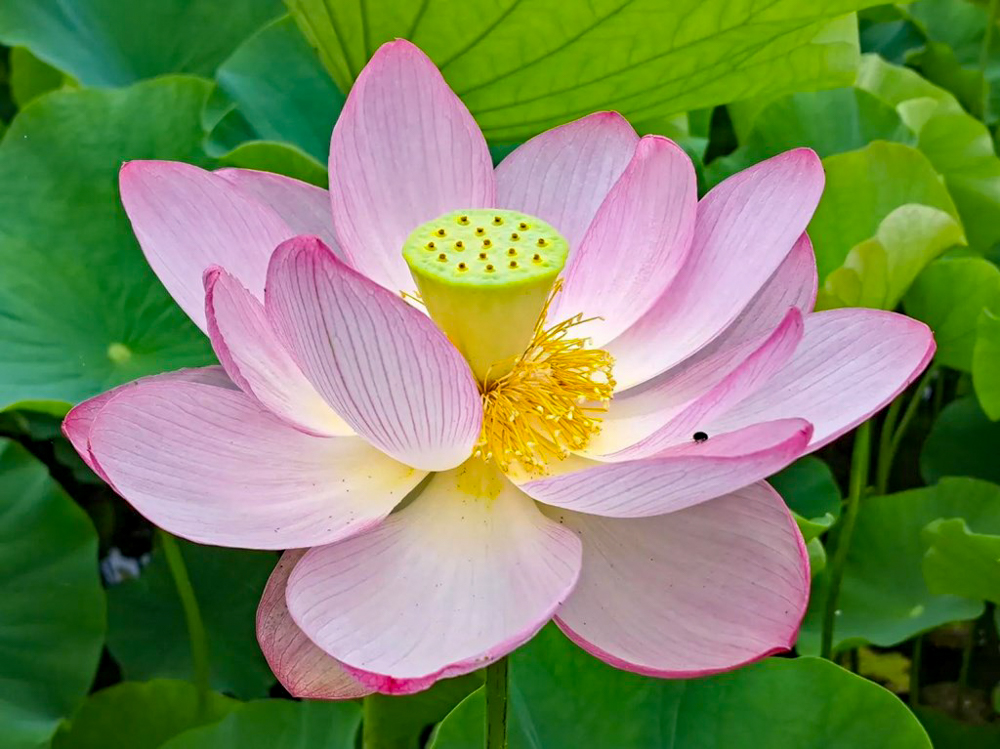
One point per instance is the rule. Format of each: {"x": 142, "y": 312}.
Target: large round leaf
{"x": 114, "y": 43}
{"x": 140, "y": 715}
{"x": 862, "y": 188}
{"x": 962, "y": 442}
{"x": 950, "y": 295}
{"x": 278, "y": 724}
{"x": 563, "y": 697}
{"x": 80, "y": 310}
{"x": 884, "y": 599}
{"x": 147, "y": 632}
{"x": 276, "y": 90}
{"x": 523, "y": 67}
{"x": 51, "y": 602}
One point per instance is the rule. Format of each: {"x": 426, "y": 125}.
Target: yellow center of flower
{"x": 487, "y": 277}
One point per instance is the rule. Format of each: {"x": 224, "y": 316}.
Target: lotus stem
{"x": 192, "y": 616}
{"x": 496, "y": 704}
{"x": 860, "y": 459}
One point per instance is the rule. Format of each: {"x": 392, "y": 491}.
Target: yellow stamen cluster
{"x": 549, "y": 404}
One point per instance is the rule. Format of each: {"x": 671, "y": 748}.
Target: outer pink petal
{"x": 257, "y": 360}
{"x": 76, "y": 426}
{"x": 382, "y": 365}
{"x": 467, "y": 572}
{"x": 671, "y": 426}
{"x": 301, "y": 667}
{"x": 304, "y": 207}
{"x": 210, "y": 465}
{"x": 692, "y": 593}
{"x": 745, "y": 228}
{"x": 851, "y": 363}
{"x": 187, "y": 219}
{"x": 404, "y": 151}
{"x": 636, "y": 244}
{"x": 564, "y": 174}
{"x": 680, "y": 476}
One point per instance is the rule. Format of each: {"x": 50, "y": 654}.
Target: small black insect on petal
{"x": 700, "y": 436}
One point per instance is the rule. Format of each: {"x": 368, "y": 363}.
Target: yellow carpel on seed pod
{"x": 543, "y": 390}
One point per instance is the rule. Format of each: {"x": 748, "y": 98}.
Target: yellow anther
{"x": 550, "y": 402}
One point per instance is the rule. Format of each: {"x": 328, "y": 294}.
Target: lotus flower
{"x": 471, "y": 400}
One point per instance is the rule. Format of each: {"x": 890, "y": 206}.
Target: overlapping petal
{"x": 303, "y": 207}
{"x": 850, "y": 363}
{"x": 653, "y": 429}
{"x": 693, "y": 592}
{"x": 636, "y": 244}
{"x": 745, "y": 227}
{"x": 563, "y": 175}
{"x": 187, "y": 219}
{"x": 209, "y": 464}
{"x": 404, "y": 150}
{"x": 302, "y": 668}
{"x": 679, "y": 476}
{"x": 257, "y": 360}
{"x": 76, "y": 426}
{"x": 384, "y": 367}
{"x": 460, "y": 577}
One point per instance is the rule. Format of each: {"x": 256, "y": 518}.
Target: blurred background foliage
{"x": 902, "y": 102}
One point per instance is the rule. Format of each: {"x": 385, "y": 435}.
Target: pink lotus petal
{"x": 706, "y": 589}
{"x": 304, "y": 208}
{"x": 209, "y": 464}
{"x": 745, "y": 228}
{"x": 850, "y": 364}
{"x": 76, "y": 426}
{"x": 752, "y": 373}
{"x": 563, "y": 175}
{"x": 382, "y": 365}
{"x": 467, "y": 572}
{"x": 257, "y": 360}
{"x": 187, "y": 219}
{"x": 637, "y": 243}
{"x": 404, "y": 151}
{"x": 302, "y": 668}
{"x": 678, "y": 477}
{"x": 792, "y": 285}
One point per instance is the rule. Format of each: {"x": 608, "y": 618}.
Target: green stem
{"x": 192, "y": 615}
{"x": 892, "y": 434}
{"x": 915, "y": 661}
{"x": 967, "y": 651}
{"x": 860, "y": 459}
{"x": 883, "y": 465}
{"x": 496, "y": 705}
